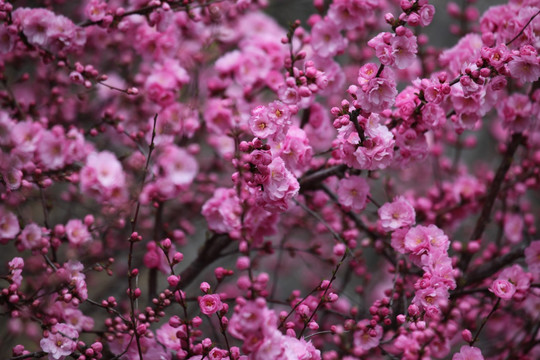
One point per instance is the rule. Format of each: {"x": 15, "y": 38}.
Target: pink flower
{"x": 377, "y": 150}
{"x": 431, "y": 297}
{"x": 377, "y": 95}
{"x": 279, "y": 187}
{"x": 96, "y": 10}
{"x": 31, "y": 236}
{"x": 513, "y": 227}
{"x": 426, "y": 13}
{"x": 503, "y": 289}
{"x": 223, "y": 211}
{"x": 272, "y": 121}
{"x": 294, "y": 150}
{"x": 525, "y": 67}
{"x": 326, "y": 39}
{"x": 465, "y": 51}
{"x": 417, "y": 240}
{"x": 166, "y": 335}
{"x": 77, "y": 232}
{"x": 165, "y": 80}
{"x": 103, "y": 178}
{"x": 367, "y": 337}
{"x": 352, "y": 192}
{"x": 404, "y": 49}
{"x": 210, "y": 304}
{"x": 468, "y": 353}
{"x": 9, "y": 225}
{"x": 532, "y": 257}
{"x": 177, "y": 166}
{"x": 61, "y": 341}
{"x": 517, "y": 277}
{"x": 396, "y": 214}
{"x": 7, "y": 40}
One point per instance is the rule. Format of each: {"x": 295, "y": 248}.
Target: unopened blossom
{"x": 399, "y": 213}
{"x": 60, "y": 342}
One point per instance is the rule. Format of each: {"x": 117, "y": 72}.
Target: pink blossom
{"x": 417, "y": 240}
{"x": 272, "y": 121}
{"x": 279, "y": 187}
{"x": 516, "y": 111}
{"x": 377, "y": 149}
{"x": 177, "y": 166}
{"x": 377, "y": 95}
{"x": 103, "y": 178}
{"x": 96, "y": 10}
{"x": 9, "y": 225}
{"x": 352, "y": 192}
{"x": 426, "y": 13}
{"x": 513, "y": 228}
{"x": 503, "y": 289}
{"x": 367, "y": 337}
{"x": 295, "y": 150}
{"x": 517, "y": 277}
{"x": 468, "y": 353}
{"x": 223, "y": 211}
{"x": 326, "y": 39}
{"x": 166, "y": 335}
{"x": 404, "y": 49}
{"x": 396, "y": 214}
{"x": 76, "y": 319}
{"x": 431, "y": 297}
{"x": 465, "y": 51}
{"x": 61, "y": 341}
{"x": 31, "y": 236}
{"x": 166, "y": 79}
{"x": 210, "y": 304}
{"x": 532, "y": 257}
{"x": 77, "y": 233}
{"x": 7, "y": 40}
{"x": 525, "y": 67}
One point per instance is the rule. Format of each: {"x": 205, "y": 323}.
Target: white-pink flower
{"x": 61, "y": 341}
{"x": 396, "y": 214}
{"x": 352, "y": 192}
{"x": 77, "y": 232}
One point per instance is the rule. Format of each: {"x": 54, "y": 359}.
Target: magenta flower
{"x": 503, "y": 289}
{"x": 210, "y": 304}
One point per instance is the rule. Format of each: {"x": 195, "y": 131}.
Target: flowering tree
{"x": 186, "y": 179}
